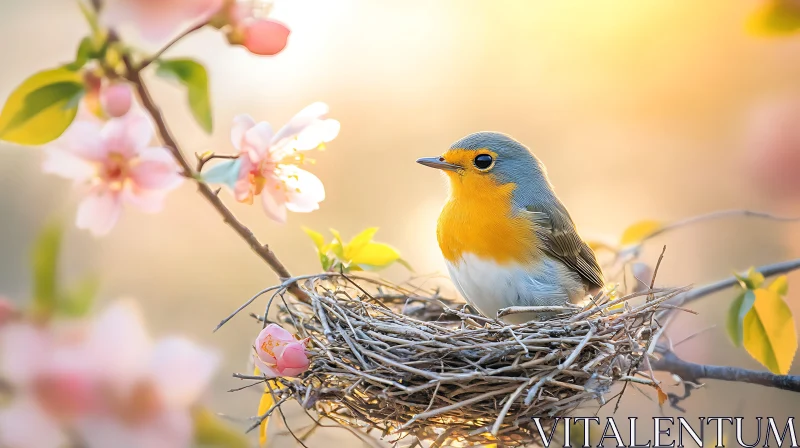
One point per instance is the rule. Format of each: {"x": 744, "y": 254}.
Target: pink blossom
{"x": 278, "y": 353}
{"x": 267, "y": 163}
{"x": 104, "y": 381}
{"x": 265, "y": 37}
{"x": 115, "y": 164}
{"x": 157, "y": 20}
{"x": 116, "y": 99}
{"x": 772, "y": 157}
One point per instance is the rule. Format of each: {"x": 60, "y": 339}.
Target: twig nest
{"x": 413, "y": 365}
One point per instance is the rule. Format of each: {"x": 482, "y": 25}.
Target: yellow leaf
{"x": 597, "y": 246}
{"x": 775, "y": 18}
{"x": 41, "y": 108}
{"x": 636, "y": 233}
{"x": 780, "y": 286}
{"x": 358, "y": 243}
{"x": 662, "y": 397}
{"x": 263, "y": 406}
{"x": 375, "y": 255}
{"x": 769, "y": 333}
{"x": 750, "y": 280}
{"x": 317, "y": 237}
{"x": 337, "y": 246}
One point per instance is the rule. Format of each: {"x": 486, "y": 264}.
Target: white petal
{"x": 25, "y": 425}
{"x": 273, "y": 198}
{"x": 148, "y": 201}
{"x": 120, "y": 343}
{"x": 82, "y": 139}
{"x": 299, "y": 122}
{"x": 99, "y": 212}
{"x": 182, "y": 370}
{"x": 67, "y": 165}
{"x": 317, "y": 133}
{"x": 127, "y": 135}
{"x": 241, "y": 124}
{"x": 23, "y": 350}
{"x": 257, "y": 141}
{"x": 304, "y": 190}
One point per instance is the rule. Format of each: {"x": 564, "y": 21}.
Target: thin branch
{"x": 142, "y": 65}
{"x": 718, "y": 215}
{"x": 690, "y": 371}
{"x": 263, "y": 250}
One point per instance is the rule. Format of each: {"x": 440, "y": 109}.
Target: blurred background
{"x": 640, "y": 110}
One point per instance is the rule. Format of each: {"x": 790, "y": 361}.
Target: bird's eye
{"x": 483, "y": 161}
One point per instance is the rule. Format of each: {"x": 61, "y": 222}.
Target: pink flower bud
{"x": 116, "y": 99}
{"x": 278, "y": 353}
{"x": 265, "y": 37}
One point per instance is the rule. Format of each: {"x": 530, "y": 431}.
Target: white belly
{"x": 489, "y": 286}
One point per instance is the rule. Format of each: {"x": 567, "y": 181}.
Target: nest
{"x": 398, "y": 363}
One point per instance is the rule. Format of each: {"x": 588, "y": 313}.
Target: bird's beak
{"x": 438, "y": 163}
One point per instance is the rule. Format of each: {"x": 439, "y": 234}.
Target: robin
{"x": 506, "y": 237}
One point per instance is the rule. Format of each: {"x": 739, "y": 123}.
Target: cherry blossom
{"x": 157, "y": 20}
{"x": 267, "y": 162}
{"x": 104, "y": 381}
{"x": 248, "y": 24}
{"x": 115, "y": 164}
{"x": 116, "y": 99}
{"x": 279, "y": 353}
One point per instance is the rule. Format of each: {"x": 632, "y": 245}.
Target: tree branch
{"x": 690, "y": 371}
{"x": 263, "y": 250}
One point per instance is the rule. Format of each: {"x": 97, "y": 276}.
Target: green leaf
{"x": 211, "y": 431}
{"x": 83, "y": 55}
{"x": 775, "y": 18}
{"x": 738, "y": 310}
{"x": 769, "y": 332}
{"x": 77, "y": 301}
{"x": 752, "y": 279}
{"x": 375, "y": 256}
{"x": 637, "y": 232}
{"x": 319, "y": 240}
{"x": 405, "y": 264}
{"x": 46, "y": 251}
{"x": 41, "y": 108}
{"x": 193, "y": 75}
{"x": 226, "y": 172}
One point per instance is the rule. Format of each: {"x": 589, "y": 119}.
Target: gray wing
{"x": 557, "y": 237}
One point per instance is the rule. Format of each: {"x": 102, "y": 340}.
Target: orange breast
{"x": 477, "y": 219}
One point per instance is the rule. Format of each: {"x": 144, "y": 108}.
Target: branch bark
{"x": 262, "y": 250}
{"x": 669, "y": 362}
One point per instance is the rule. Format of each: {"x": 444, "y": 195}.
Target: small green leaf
{"x": 83, "y": 55}
{"x": 77, "y": 301}
{"x": 780, "y": 286}
{"x": 211, "y": 431}
{"x": 46, "y": 251}
{"x": 405, "y": 264}
{"x": 319, "y": 240}
{"x": 193, "y": 75}
{"x": 375, "y": 256}
{"x": 226, "y": 172}
{"x": 41, "y": 108}
{"x": 775, "y": 18}
{"x": 738, "y": 310}
{"x": 769, "y": 332}
{"x": 752, "y": 279}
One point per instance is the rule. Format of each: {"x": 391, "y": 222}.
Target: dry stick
{"x": 263, "y": 250}
{"x": 694, "y": 372}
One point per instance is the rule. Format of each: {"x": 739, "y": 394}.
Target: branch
{"x": 142, "y": 65}
{"x": 690, "y": 371}
{"x": 263, "y": 250}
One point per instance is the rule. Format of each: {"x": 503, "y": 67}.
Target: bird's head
{"x": 489, "y": 160}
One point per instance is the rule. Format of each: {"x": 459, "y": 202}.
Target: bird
{"x": 506, "y": 237}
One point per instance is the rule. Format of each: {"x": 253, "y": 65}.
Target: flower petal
{"x": 148, "y": 201}
{"x": 317, "y": 133}
{"x": 82, "y": 139}
{"x": 156, "y": 170}
{"x": 293, "y": 360}
{"x": 304, "y": 191}
{"x": 126, "y": 135}
{"x": 182, "y": 370}
{"x": 300, "y": 121}
{"x": 267, "y": 370}
{"x": 67, "y": 165}
{"x": 120, "y": 343}
{"x": 22, "y": 352}
{"x": 273, "y": 198}
{"x": 26, "y": 425}
{"x": 241, "y": 124}
{"x": 257, "y": 141}
{"x": 99, "y": 212}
